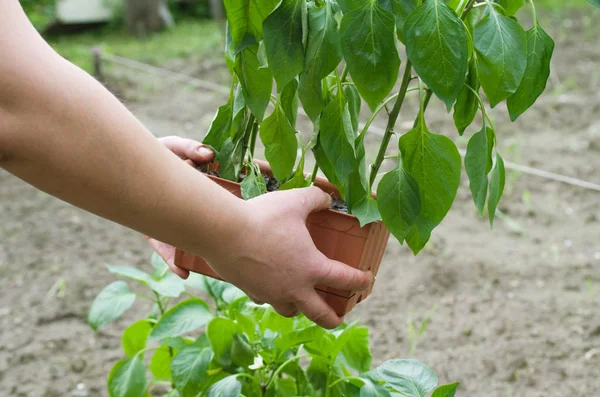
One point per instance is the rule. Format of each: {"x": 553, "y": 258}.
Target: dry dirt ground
{"x": 517, "y": 309}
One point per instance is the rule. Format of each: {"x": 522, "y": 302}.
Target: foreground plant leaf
{"x": 437, "y": 46}
{"x": 435, "y": 164}
{"x": 283, "y": 40}
{"x": 409, "y": 377}
{"x": 501, "y": 46}
{"x": 253, "y": 186}
{"x": 467, "y": 104}
{"x": 184, "y": 317}
{"x": 256, "y": 81}
{"x": 168, "y": 285}
{"x": 281, "y": 146}
{"x": 110, "y": 304}
{"x": 135, "y": 337}
{"x": 402, "y": 9}
{"x": 369, "y": 48}
{"x": 595, "y": 2}
{"x": 540, "y": 48}
{"x": 496, "y": 187}
{"x": 478, "y": 163}
{"x": 511, "y": 6}
{"x": 245, "y": 17}
{"x": 220, "y": 333}
{"x": 228, "y": 387}
{"x": 189, "y": 369}
{"x": 220, "y": 128}
{"x": 355, "y": 348}
{"x": 446, "y": 390}
{"x": 128, "y": 378}
{"x": 160, "y": 364}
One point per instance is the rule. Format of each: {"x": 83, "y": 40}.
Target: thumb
{"x": 312, "y": 199}
{"x": 341, "y": 276}
{"x": 188, "y": 149}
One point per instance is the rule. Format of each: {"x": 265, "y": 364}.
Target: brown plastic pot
{"x": 337, "y": 235}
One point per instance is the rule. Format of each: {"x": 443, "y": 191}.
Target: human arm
{"x": 64, "y": 133}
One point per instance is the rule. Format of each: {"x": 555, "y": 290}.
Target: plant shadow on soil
{"x": 517, "y": 311}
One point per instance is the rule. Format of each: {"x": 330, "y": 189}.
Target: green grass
{"x": 189, "y": 39}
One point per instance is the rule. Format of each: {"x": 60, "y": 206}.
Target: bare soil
{"x": 516, "y": 308}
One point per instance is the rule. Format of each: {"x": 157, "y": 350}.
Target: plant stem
{"x": 392, "y": 121}
{"x": 344, "y": 73}
{"x": 467, "y": 9}
{"x": 253, "y": 136}
{"x": 314, "y": 173}
{"x": 535, "y": 18}
{"x": 246, "y": 136}
{"x": 281, "y": 367}
{"x": 162, "y": 313}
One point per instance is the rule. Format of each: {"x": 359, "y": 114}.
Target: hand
{"x": 193, "y": 153}
{"x": 274, "y": 260}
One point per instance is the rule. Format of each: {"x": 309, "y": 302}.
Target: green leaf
{"x": 353, "y": 97}
{"x": 402, "y": 9}
{"x": 399, "y": 203}
{"x": 298, "y": 337}
{"x": 246, "y": 17}
{"x": 496, "y": 187}
{"x": 435, "y": 163}
{"x": 253, "y": 186}
{"x": 501, "y": 46}
{"x": 281, "y": 146}
{"x": 324, "y": 164}
{"x": 135, "y": 337}
{"x": 337, "y": 137}
{"x": 373, "y": 389}
{"x": 170, "y": 285}
{"x": 511, "y": 6}
{"x": 595, "y": 3}
{"x": 369, "y": 48}
{"x": 438, "y": 47}
{"x": 298, "y": 180}
{"x": 110, "y": 304}
{"x": 323, "y": 54}
{"x": 184, "y": 317}
{"x": 242, "y": 353}
{"x": 289, "y": 101}
{"x": 367, "y": 211}
{"x": 220, "y": 332}
{"x": 256, "y": 81}
{"x": 467, "y": 104}
{"x": 286, "y": 387}
{"x": 283, "y": 40}
{"x": 229, "y": 159}
{"x": 477, "y": 164}
{"x": 220, "y": 128}
{"x": 355, "y": 348}
{"x": 189, "y": 369}
{"x": 128, "y": 378}
{"x": 540, "y": 48}
{"x": 228, "y": 387}
{"x": 446, "y": 390}
{"x": 161, "y": 268}
{"x": 410, "y": 377}
{"x": 160, "y": 364}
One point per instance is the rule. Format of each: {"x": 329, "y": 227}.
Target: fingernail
{"x": 204, "y": 151}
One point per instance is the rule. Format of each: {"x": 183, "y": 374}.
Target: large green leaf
{"x": 253, "y": 186}
{"x": 501, "y": 46}
{"x": 410, "y": 377}
{"x": 298, "y": 337}
{"x": 220, "y": 332}
{"x": 189, "y": 369}
{"x": 355, "y": 348}
{"x": 110, "y": 304}
{"x": 369, "y": 48}
{"x": 256, "y": 81}
{"x": 168, "y": 285}
{"x": 160, "y": 364}
{"x": 477, "y": 164}
{"x": 283, "y": 40}
{"x": 540, "y": 47}
{"x": 281, "y": 146}
{"x": 128, "y": 378}
{"x": 435, "y": 163}
{"x": 135, "y": 337}
{"x": 496, "y": 187}
{"x": 288, "y": 98}
{"x": 242, "y": 353}
{"x": 246, "y": 17}
{"x": 228, "y": 387}
{"x": 323, "y": 54}
{"x": 595, "y": 2}
{"x": 467, "y": 104}
{"x": 184, "y": 317}
{"x": 399, "y": 203}
{"x": 373, "y": 389}
{"x": 229, "y": 159}
{"x": 298, "y": 179}
{"x": 446, "y": 390}
{"x": 220, "y": 127}
{"x": 402, "y": 9}
{"x": 437, "y": 45}
{"x": 511, "y": 6}
{"x": 337, "y": 137}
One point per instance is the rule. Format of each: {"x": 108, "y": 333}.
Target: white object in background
{"x": 84, "y": 11}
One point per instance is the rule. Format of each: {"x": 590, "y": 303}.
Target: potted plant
{"x": 331, "y": 57}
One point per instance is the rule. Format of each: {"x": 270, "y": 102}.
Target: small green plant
{"x": 331, "y": 56}
{"x": 237, "y": 348}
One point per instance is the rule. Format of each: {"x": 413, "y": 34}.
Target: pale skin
{"x": 64, "y": 133}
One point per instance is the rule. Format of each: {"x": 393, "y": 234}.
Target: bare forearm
{"x": 67, "y": 135}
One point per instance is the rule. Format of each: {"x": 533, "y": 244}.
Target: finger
{"x": 167, "y": 252}
{"x": 318, "y": 311}
{"x": 312, "y": 199}
{"x": 341, "y": 276}
{"x": 286, "y": 309}
{"x": 188, "y": 149}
